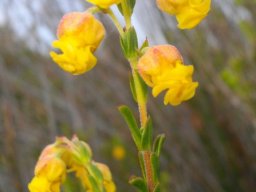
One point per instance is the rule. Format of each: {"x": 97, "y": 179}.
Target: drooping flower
{"x": 189, "y": 13}
{"x": 107, "y": 177}
{"x": 104, "y": 3}
{"x": 50, "y": 172}
{"x": 79, "y": 35}
{"x": 65, "y": 156}
{"x": 162, "y": 68}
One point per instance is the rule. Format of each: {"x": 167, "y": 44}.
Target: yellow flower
{"x": 104, "y": 3}
{"x": 118, "y": 152}
{"x": 39, "y": 184}
{"x": 162, "y": 68}
{"x": 64, "y": 156}
{"x": 50, "y": 172}
{"x": 82, "y": 174}
{"x": 51, "y": 167}
{"x": 107, "y": 177}
{"x": 189, "y": 13}
{"x": 79, "y": 35}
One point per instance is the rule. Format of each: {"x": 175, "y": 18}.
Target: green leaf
{"x": 139, "y": 183}
{"x": 155, "y": 166}
{"x": 158, "y": 144}
{"x": 129, "y": 43}
{"x": 144, "y": 45}
{"x": 142, "y": 84}
{"x": 95, "y": 172}
{"x": 157, "y": 188}
{"x": 129, "y": 4}
{"x": 144, "y": 87}
{"x": 132, "y": 124}
{"x": 94, "y": 184}
{"x": 133, "y": 90}
{"x": 146, "y": 139}
{"x": 142, "y": 165}
{"x": 119, "y": 6}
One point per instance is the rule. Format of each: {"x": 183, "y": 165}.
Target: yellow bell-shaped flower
{"x": 50, "y": 172}
{"x": 189, "y": 13}
{"x": 65, "y": 156}
{"x": 79, "y": 35}
{"x": 107, "y": 177}
{"x": 104, "y": 3}
{"x": 162, "y": 68}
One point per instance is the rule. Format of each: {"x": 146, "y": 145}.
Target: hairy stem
{"x": 142, "y": 105}
{"x": 141, "y": 100}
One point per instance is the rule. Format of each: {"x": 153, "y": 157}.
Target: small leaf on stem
{"x": 146, "y": 139}
{"x": 132, "y": 124}
{"x": 139, "y": 183}
{"x": 158, "y": 144}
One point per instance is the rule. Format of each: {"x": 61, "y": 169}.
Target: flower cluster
{"x": 162, "y": 68}
{"x": 70, "y": 156}
{"x": 188, "y": 12}
{"x": 79, "y": 35}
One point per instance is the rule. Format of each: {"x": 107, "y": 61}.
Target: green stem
{"x": 115, "y": 21}
{"x": 142, "y": 102}
{"x": 126, "y": 13}
{"x": 142, "y": 105}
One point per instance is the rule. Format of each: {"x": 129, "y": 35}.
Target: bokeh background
{"x": 211, "y": 139}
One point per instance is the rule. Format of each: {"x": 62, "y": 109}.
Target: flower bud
{"x": 79, "y": 35}
{"x": 74, "y": 155}
{"x": 51, "y": 167}
{"x": 162, "y": 68}
{"x": 189, "y": 13}
{"x": 107, "y": 177}
{"x": 104, "y": 3}
{"x": 50, "y": 172}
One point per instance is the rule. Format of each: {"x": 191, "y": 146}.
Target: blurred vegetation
{"x": 211, "y": 139}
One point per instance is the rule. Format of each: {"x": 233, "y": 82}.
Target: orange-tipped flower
{"x": 104, "y": 3}
{"x": 79, "y": 35}
{"x": 189, "y": 13}
{"x": 162, "y": 68}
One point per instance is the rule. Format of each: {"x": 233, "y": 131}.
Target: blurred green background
{"x": 211, "y": 139}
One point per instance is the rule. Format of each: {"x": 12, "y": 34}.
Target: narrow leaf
{"x": 157, "y": 188}
{"x": 142, "y": 165}
{"x": 146, "y": 139}
{"x": 132, "y": 124}
{"x": 119, "y": 6}
{"x": 139, "y": 183}
{"x": 144, "y": 44}
{"x": 144, "y": 88}
{"x": 155, "y": 166}
{"x": 158, "y": 144}
{"x": 133, "y": 90}
{"x": 129, "y": 4}
{"x": 129, "y": 43}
